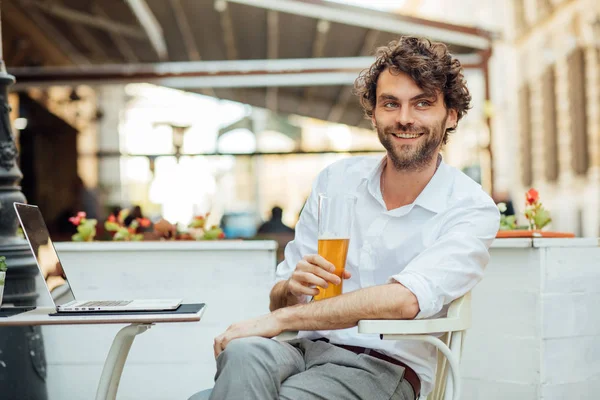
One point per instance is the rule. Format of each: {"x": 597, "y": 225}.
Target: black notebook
{"x": 10, "y": 311}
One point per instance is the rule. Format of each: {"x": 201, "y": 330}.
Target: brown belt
{"x": 409, "y": 374}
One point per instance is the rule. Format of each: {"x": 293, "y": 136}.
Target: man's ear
{"x": 373, "y": 120}
{"x": 452, "y": 119}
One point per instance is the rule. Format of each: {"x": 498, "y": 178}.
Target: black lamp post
{"x": 23, "y": 375}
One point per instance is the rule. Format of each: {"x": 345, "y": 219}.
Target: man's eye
{"x": 389, "y": 105}
{"x": 423, "y": 104}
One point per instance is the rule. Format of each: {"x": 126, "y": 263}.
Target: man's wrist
{"x": 284, "y": 317}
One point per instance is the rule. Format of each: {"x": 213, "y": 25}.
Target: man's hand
{"x": 266, "y": 326}
{"x": 313, "y": 270}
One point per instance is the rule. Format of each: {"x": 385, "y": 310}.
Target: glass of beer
{"x": 336, "y": 213}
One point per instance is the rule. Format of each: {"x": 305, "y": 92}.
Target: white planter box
{"x": 171, "y": 360}
{"x": 536, "y": 326}
{"x": 535, "y": 334}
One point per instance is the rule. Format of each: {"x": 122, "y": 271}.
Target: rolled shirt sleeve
{"x": 455, "y": 261}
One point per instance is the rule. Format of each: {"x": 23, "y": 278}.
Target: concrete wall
{"x": 535, "y": 327}
{"x": 535, "y": 333}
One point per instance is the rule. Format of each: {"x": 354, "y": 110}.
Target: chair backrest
{"x": 461, "y": 309}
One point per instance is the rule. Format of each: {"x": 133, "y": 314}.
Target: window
{"x": 544, "y": 8}
{"x": 519, "y": 15}
{"x": 550, "y": 124}
{"x": 577, "y": 111}
{"x": 525, "y": 134}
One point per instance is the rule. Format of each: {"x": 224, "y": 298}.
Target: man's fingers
{"x": 298, "y": 289}
{"x": 347, "y": 274}
{"x": 217, "y": 347}
{"x": 306, "y": 266}
{"x": 316, "y": 259}
{"x": 309, "y": 279}
{"x": 221, "y": 342}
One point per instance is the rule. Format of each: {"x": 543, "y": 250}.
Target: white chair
{"x": 452, "y": 329}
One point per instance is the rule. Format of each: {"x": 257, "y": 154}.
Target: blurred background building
{"x": 185, "y": 107}
{"x": 556, "y": 111}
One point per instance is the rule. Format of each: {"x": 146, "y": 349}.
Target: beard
{"x": 412, "y": 157}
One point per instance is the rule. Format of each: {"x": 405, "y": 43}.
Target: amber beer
{"x": 334, "y": 251}
{"x": 336, "y": 213}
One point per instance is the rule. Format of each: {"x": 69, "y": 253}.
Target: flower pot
{"x": 2, "y": 278}
{"x": 525, "y": 233}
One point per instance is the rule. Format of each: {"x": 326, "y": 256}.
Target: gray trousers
{"x": 263, "y": 369}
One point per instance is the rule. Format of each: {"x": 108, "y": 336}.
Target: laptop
{"x": 55, "y": 276}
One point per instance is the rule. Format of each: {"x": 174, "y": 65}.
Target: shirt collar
{"x": 433, "y": 198}
{"x": 373, "y": 180}
{"x": 435, "y": 195}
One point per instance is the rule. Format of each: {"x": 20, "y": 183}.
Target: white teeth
{"x": 406, "y": 136}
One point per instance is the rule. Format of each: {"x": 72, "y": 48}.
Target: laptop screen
{"x": 47, "y": 260}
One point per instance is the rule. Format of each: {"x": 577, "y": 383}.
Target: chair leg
{"x": 453, "y": 389}
{"x": 115, "y": 361}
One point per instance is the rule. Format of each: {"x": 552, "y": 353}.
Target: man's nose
{"x": 405, "y": 116}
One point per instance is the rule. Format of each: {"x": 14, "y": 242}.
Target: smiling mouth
{"x": 407, "y": 135}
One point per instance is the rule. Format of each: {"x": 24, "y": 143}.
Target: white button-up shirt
{"x": 437, "y": 247}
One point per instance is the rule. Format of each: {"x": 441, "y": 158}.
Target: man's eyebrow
{"x": 425, "y": 96}
{"x": 387, "y": 96}
{"x": 421, "y": 96}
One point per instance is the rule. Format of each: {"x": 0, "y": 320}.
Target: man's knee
{"x": 247, "y": 349}
{"x": 203, "y": 395}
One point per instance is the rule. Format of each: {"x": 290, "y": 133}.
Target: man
{"x": 421, "y": 235}
{"x": 275, "y": 224}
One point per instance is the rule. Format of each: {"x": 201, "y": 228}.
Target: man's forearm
{"x": 281, "y": 297}
{"x": 391, "y": 301}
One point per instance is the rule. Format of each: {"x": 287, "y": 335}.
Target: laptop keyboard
{"x": 105, "y": 303}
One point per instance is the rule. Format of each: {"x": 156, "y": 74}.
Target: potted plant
{"x": 196, "y": 228}
{"x": 2, "y": 276}
{"x": 199, "y": 230}
{"x": 86, "y": 228}
{"x": 138, "y": 229}
{"x": 537, "y": 216}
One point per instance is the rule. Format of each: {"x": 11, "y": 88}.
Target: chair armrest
{"x": 458, "y": 319}
{"x": 412, "y": 327}
{"x": 287, "y": 335}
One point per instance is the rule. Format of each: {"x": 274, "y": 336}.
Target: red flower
{"x": 81, "y": 214}
{"x": 199, "y": 217}
{"x": 221, "y": 235}
{"x": 112, "y": 218}
{"x": 532, "y": 196}
{"x": 144, "y": 222}
{"x": 75, "y": 220}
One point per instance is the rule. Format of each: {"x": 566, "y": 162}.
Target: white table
{"x": 115, "y": 361}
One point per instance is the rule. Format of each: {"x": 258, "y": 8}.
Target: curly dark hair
{"x": 429, "y": 64}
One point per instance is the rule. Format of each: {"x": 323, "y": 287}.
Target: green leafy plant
{"x": 199, "y": 221}
{"x": 537, "y": 216}
{"x": 507, "y": 222}
{"x": 123, "y": 232}
{"x": 86, "y": 228}
{"x": 214, "y": 233}
{"x": 199, "y": 231}
{"x": 3, "y": 268}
